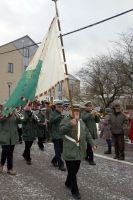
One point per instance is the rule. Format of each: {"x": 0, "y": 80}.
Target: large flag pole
{"x": 64, "y": 56}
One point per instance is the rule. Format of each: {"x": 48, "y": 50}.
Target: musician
{"x": 41, "y": 127}
{"x": 76, "y": 136}
{"x": 19, "y": 124}
{"x": 90, "y": 118}
{"x": 29, "y": 132}
{"x": 47, "y": 136}
{"x": 55, "y": 119}
{"x": 8, "y": 139}
{"x": 66, "y": 108}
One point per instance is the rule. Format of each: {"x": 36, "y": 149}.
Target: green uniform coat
{"x": 55, "y": 119}
{"x": 90, "y": 121}
{"x": 28, "y": 127}
{"x": 40, "y": 126}
{"x": 8, "y": 131}
{"x": 70, "y": 149}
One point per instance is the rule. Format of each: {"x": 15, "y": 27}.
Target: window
{"x": 10, "y": 67}
{"x": 59, "y": 87}
{"x": 26, "y": 52}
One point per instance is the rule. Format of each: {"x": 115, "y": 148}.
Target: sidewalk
{"x": 102, "y": 146}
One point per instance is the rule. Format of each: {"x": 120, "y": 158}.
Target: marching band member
{"x": 55, "y": 119}
{"x": 66, "y": 109}
{"x": 29, "y": 132}
{"x": 41, "y": 127}
{"x": 47, "y": 135}
{"x": 90, "y": 118}
{"x": 76, "y": 137}
{"x": 8, "y": 139}
{"x": 19, "y": 124}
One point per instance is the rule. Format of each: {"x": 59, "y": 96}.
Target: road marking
{"x": 115, "y": 160}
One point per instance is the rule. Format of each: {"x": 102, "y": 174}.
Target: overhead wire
{"x": 99, "y": 22}
{"x": 77, "y": 30}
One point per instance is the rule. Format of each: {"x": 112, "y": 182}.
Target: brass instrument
{"x": 20, "y": 114}
{"x": 35, "y": 117}
{"x": 95, "y": 113}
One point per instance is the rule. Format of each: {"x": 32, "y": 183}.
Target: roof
{"x": 18, "y": 40}
{"x": 73, "y": 77}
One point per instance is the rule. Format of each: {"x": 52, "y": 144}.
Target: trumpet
{"x": 20, "y": 114}
{"x": 95, "y": 113}
{"x": 35, "y": 117}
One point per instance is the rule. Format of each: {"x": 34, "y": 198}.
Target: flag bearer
{"x": 76, "y": 137}
{"x": 55, "y": 119}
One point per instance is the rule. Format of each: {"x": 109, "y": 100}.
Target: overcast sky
{"x": 32, "y": 17}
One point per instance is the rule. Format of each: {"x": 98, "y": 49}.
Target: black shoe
{"x": 62, "y": 168}
{"x": 42, "y": 149}
{"x": 28, "y": 162}
{"x": 54, "y": 164}
{"x": 107, "y": 152}
{"x": 92, "y": 163}
{"x": 116, "y": 157}
{"x": 67, "y": 186}
{"x": 87, "y": 159}
{"x": 121, "y": 158}
{"x": 76, "y": 196}
{"x": 24, "y": 157}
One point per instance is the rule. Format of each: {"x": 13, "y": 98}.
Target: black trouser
{"x": 89, "y": 152}
{"x": 7, "y": 153}
{"x": 58, "y": 147}
{"x": 26, "y": 153}
{"x": 20, "y": 134}
{"x": 72, "y": 169}
{"x": 47, "y": 132}
{"x": 119, "y": 145}
{"x": 40, "y": 142}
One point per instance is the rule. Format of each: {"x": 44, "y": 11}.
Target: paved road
{"x": 108, "y": 180}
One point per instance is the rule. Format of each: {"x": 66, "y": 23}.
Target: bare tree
{"x": 124, "y": 49}
{"x": 103, "y": 80}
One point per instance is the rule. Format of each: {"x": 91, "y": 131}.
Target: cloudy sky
{"x": 32, "y": 17}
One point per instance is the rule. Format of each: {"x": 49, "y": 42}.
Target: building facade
{"x": 14, "y": 59}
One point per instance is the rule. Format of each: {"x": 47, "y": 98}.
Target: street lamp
{"x": 9, "y": 87}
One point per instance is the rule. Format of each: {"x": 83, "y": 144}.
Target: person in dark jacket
{"x": 118, "y": 122}
{"x": 47, "y": 136}
{"x": 19, "y": 111}
{"x": 57, "y": 138}
{"x": 105, "y": 130}
{"x": 90, "y": 117}
{"x": 76, "y": 136}
{"x": 8, "y": 139}
{"x": 29, "y": 133}
{"x": 41, "y": 127}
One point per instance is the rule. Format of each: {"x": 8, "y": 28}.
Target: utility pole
{"x": 66, "y": 70}
{"x": 64, "y": 56}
